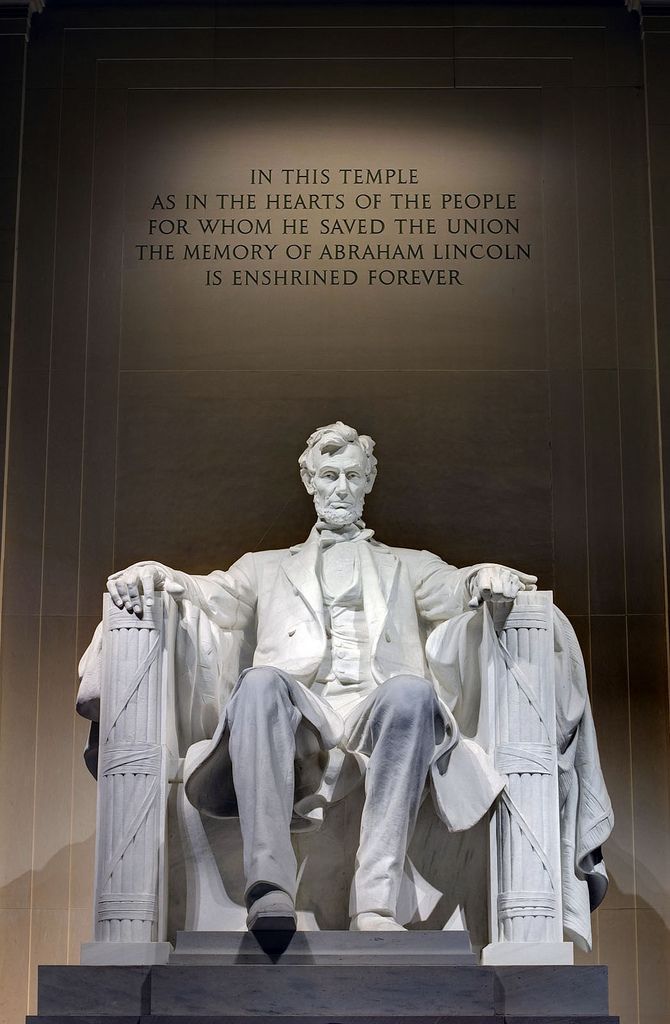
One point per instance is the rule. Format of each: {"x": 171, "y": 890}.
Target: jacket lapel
{"x": 379, "y": 567}
{"x": 301, "y": 569}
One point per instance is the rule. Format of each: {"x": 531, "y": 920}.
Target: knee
{"x": 409, "y": 698}
{"x": 261, "y": 683}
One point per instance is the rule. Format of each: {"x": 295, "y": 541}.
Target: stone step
{"x": 431, "y": 948}
{"x": 329, "y": 1019}
{"x": 324, "y": 993}
{"x": 332, "y": 989}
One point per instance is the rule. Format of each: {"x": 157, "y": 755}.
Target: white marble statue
{"x": 362, "y": 662}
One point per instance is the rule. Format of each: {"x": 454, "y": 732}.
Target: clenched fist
{"x": 498, "y": 583}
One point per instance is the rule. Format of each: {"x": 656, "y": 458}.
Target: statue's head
{"x": 338, "y": 468}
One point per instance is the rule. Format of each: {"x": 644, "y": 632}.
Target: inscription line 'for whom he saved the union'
{"x": 340, "y": 225}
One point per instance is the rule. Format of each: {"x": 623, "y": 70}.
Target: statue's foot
{"x": 372, "y": 922}
{"x": 273, "y": 912}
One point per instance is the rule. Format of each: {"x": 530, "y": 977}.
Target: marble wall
{"x": 656, "y": 36}
{"x": 517, "y": 421}
{"x": 14, "y": 25}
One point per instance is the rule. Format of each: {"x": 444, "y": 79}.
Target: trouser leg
{"x": 262, "y": 722}
{"x": 401, "y": 735}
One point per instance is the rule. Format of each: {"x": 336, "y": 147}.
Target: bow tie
{"x": 355, "y": 532}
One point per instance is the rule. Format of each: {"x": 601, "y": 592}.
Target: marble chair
{"x": 161, "y": 866}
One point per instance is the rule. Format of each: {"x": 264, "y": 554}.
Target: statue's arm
{"x": 443, "y": 591}
{"x": 227, "y": 598}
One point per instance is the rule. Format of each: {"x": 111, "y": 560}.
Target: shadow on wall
{"x": 45, "y": 888}
{"x": 649, "y": 887}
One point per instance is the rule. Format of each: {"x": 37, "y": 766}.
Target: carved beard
{"x": 338, "y": 517}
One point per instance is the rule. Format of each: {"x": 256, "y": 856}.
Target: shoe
{"x": 273, "y": 912}
{"x": 372, "y": 922}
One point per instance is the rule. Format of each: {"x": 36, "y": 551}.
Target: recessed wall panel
{"x": 401, "y": 229}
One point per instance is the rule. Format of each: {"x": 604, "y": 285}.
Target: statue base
{"x": 512, "y": 953}
{"x": 97, "y": 954}
{"x": 322, "y": 978}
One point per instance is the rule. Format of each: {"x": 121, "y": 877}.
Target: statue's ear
{"x": 370, "y": 482}
{"x": 307, "y": 481}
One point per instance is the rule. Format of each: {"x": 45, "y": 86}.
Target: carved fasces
{"x": 525, "y": 844}
{"x": 132, "y": 776}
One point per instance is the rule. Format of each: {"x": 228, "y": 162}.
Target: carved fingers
{"x": 498, "y": 583}
{"x": 134, "y": 588}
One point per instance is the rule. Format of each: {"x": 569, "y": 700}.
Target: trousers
{"x": 398, "y": 740}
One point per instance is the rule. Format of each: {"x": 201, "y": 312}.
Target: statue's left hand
{"x": 133, "y": 588}
{"x": 498, "y": 583}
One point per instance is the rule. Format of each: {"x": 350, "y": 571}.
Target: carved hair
{"x": 333, "y": 438}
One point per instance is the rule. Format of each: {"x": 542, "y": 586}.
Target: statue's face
{"x": 339, "y": 485}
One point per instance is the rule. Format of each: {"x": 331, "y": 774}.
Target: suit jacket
{"x": 275, "y": 598}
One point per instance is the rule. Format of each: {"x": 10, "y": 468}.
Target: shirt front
{"x": 344, "y": 676}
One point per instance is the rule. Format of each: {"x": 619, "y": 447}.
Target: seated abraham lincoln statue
{"x": 351, "y": 681}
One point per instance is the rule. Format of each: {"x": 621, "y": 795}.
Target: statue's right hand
{"x": 133, "y": 588}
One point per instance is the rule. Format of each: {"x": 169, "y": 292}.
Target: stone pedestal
{"x": 354, "y": 949}
{"x": 323, "y": 978}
